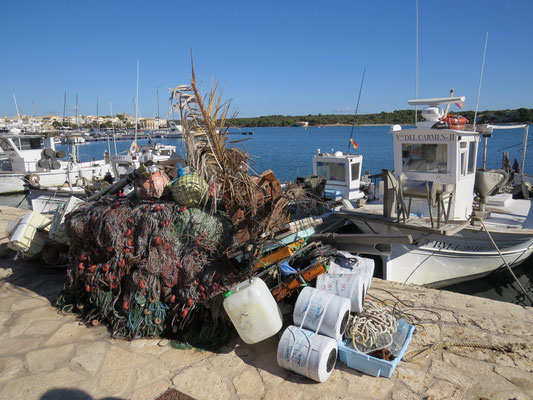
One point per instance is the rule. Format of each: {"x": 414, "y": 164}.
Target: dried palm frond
{"x": 205, "y": 123}
{"x": 205, "y": 120}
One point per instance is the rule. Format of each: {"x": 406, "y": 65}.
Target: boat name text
{"x": 426, "y": 137}
{"x": 438, "y": 244}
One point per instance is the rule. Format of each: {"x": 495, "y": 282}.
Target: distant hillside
{"x": 395, "y": 117}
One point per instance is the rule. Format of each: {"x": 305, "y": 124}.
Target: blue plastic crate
{"x": 368, "y": 364}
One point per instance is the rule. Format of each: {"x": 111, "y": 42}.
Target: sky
{"x": 272, "y": 57}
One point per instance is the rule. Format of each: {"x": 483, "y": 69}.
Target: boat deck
{"x": 375, "y": 212}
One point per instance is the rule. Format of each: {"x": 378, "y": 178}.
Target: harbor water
{"x": 288, "y": 151}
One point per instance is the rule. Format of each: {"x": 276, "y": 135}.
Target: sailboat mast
{"x": 137, "y": 102}
{"x": 113, "y": 125}
{"x": 16, "y": 105}
{"x": 416, "y": 64}
{"x": 64, "y": 108}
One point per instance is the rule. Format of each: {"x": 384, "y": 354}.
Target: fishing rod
{"x": 357, "y": 107}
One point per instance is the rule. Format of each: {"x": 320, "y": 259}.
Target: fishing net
{"x": 145, "y": 268}
{"x": 189, "y": 189}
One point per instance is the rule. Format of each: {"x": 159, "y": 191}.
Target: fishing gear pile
{"x": 155, "y": 262}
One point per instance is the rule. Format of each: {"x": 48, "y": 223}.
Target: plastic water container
{"x": 25, "y": 236}
{"x": 307, "y": 353}
{"x": 253, "y": 311}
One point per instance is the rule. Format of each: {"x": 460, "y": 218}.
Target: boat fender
{"x": 48, "y": 152}
{"x": 34, "y": 179}
{"x": 56, "y": 164}
{"x": 60, "y": 154}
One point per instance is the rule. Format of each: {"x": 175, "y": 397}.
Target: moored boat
{"x": 464, "y": 221}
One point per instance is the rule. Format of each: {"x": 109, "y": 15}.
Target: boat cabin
{"x": 25, "y": 151}
{"x": 342, "y": 172}
{"x": 436, "y": 165}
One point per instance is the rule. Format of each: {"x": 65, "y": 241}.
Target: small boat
{"x": 123, "y": 164}
{"x": 33, "y": 160}
{"x": 463, "y": 222}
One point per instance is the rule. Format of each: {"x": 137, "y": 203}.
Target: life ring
{"x": 457, "y": 127}
{"x": 455, "y": 120}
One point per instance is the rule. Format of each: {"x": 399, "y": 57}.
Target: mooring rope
{"x": 503, "y": 348}
{"x": 505, "y": 262}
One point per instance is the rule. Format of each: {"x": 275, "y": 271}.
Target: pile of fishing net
{"x": 145, "y": 267}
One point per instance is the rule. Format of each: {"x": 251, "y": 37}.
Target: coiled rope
{"x": 372, "y": 329}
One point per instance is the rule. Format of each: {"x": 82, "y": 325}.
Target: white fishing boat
{"x": 32, "y": 159}
{"x": 463, "y": 221}
{"x": 123, "y": 164}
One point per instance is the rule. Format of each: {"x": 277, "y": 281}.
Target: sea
{"x": 288, "y": 152}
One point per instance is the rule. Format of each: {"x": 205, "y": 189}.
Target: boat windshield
{"x": 5, "y": 145}
{"x": 332, "y": 171}
{"x": 426, "y": 157}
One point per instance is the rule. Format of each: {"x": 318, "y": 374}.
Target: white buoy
{"x": 322, "y": 312}
{"x": 307, "y": 353}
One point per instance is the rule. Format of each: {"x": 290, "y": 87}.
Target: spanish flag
{"x": 355, "y": 145}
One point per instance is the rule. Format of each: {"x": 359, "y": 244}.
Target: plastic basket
{"x": 368, "y": 364}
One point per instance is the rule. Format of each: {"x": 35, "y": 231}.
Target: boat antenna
{"x": 485, "y": 137}
{"x": 480, "y": 80}
{"x": 448, "y": 105}
{"x": 357, "y": 106}
{"x": 416, "y": 61}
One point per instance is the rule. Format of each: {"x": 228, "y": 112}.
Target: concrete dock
{"x": 46, "y": 355}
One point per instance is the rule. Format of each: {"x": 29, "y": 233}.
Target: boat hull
{"x": 438, "y": 260}
{"x": 14, "y": 182}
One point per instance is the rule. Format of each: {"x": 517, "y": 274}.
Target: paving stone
{"x": 90, "y": 356}
{"x": 42, "y": 328}
{"x": 118, "y": 381}
{"x": 36, "y": 385}
{"x": 47, "y": 359}
{"x": 248, "y": 384}
{"x": 30, "y": 303}
{"x": 176, "y": 359}
{"x": 73, "y": 331}
{"x": 117, "y": 358}
{"x": 280, "y": 393}
{"x": 9, "y": 367}
{"x": 12, "y": 346}
{"x": 520, "y": 378}
{"x": 440, "y": 389}
{"x": 151, "y": 391}
{"x": 374, "y": 388}
{"x": 151, "y": 372}
{"x": 211, "y": 383}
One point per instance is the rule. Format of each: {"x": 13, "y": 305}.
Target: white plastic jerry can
{"x": 253, "y": 311}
